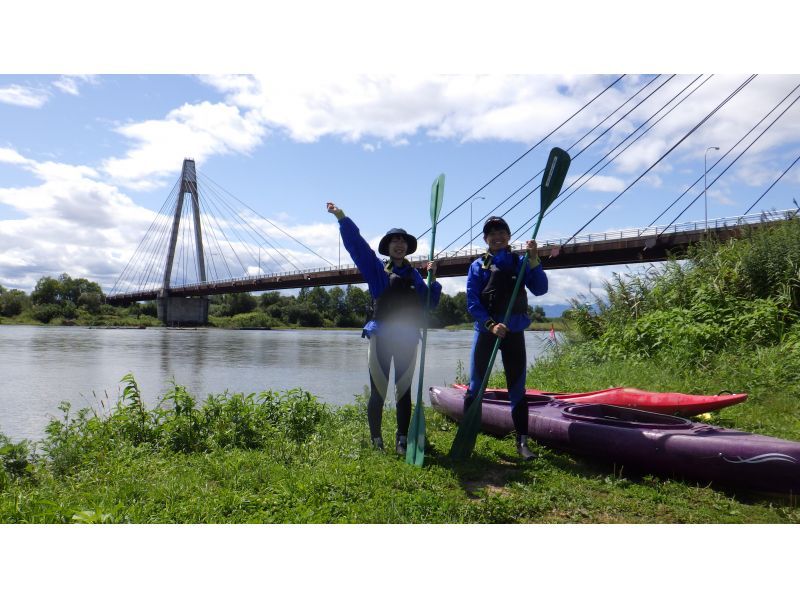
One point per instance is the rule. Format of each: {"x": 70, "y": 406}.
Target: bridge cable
{"x": 258, "y": 237}
{"x": 221, "y": 230}
{"x": 566, "y": 196}
{"x": 721, "y": 158}
{"x": 156, "y": 254}
{"x": 664, "y": 155}
{"x": 269, "y": 221}
{"x": 124, "y": 270}
{"x": 492, "y": 210}
{"x": 773, "y": 184}
{"x": 587, "y": 146}
{"x": 537, "y": 144}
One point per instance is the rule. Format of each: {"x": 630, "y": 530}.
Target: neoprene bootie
{"x": 522, "y": 448}
{"x": 400, "y": 445}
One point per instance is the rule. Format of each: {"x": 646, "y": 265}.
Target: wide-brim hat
{"x": 493, "y": 223}
{"x": 411, "y": 241}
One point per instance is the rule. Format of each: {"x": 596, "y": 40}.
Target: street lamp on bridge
{"x": 705, "y": 180}
{"x": 470, "y": 219}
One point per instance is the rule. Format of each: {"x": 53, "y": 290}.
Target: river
{"x": 43, "y": 366}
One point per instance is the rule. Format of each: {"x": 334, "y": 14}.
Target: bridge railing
{"x": 652, "y": 231}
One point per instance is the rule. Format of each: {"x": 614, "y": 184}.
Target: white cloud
{"x": 11, "y": 156}
{"x": 604, "y": 183}
{"x": 69, "y": 223}
{"x": 196, "y": 131}
{"x": 393, "y": 107}
{"x": 26, "y": 97}
{"x": 70, "y": 84}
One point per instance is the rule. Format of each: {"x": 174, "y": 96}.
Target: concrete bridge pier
{"x": 183, "y": 311}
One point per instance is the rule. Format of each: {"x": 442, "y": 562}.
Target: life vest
{"x": 399, "y": 302}
{"x": 497, "y": 292}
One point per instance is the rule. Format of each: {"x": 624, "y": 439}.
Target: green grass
{"x": 288, "y": 459}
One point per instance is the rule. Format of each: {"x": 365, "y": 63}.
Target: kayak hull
{"x": 669, "y": 403}
{"x": 643, "y": 440}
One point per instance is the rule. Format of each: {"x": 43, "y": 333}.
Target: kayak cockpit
{"x": 624, "y": 416}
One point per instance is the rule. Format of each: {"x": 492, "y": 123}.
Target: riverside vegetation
{"x": 68, "y": 301}
{"x": 726, "y": 318}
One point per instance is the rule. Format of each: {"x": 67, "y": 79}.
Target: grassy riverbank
{"x": 287, "y": 458}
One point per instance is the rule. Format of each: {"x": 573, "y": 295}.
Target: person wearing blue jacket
{"x": 398, "y": 294}
{"x": 490, "y": 284}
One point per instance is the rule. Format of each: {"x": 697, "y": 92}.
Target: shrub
{"x": 46, "y": 312}
{"x": 254, "y": 319}
{"x": 14, "y": 458}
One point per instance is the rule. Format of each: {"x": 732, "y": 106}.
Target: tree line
{"x": 78, "y": 300}
{"x": 335, "y": 307}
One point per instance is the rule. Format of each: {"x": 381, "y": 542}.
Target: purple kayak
{"x": 643, "y": 440}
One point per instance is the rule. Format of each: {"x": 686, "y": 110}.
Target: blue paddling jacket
{"x": 377, "y": 275}
{"x": 507, "y": 263}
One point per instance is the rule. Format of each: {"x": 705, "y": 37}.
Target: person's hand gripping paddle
{"x": 415, "y": 451}
{"x": 553, "y": 178}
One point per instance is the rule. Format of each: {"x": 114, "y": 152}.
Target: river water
{"x": 42, "y": 366}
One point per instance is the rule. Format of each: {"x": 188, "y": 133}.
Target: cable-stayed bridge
{"x": 204, "y": 241}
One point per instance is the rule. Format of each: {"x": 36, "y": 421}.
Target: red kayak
{"x": 669, "y": 403}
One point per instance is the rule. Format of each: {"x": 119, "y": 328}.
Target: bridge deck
{"x": 597, "y": 249}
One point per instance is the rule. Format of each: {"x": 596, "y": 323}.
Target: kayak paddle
{"x": 415, "y": 451}
{"x": 552, "y": 179}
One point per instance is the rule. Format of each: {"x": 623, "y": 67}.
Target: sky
{"x": 87, "y": 161}
{"x": 289, "y": 105}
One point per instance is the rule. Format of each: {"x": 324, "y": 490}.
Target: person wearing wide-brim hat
{"x": 490, "y": 284}
{"x": 398, "y": 293}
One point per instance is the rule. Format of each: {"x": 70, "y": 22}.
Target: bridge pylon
{"x": 175, "y": 310}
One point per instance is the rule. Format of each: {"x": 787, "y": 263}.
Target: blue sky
{"x": 86, "y": 161}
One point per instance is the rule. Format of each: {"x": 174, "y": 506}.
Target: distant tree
{"x": 460, "y": 301}
{"x": 46, "y": 311}
{"x": 241, "y": 303}
{"x": 303, "y": 315}
{"x": 357, "y": 302}
{"x": 536, "y": 313}
{"x": 46, "y": 291}
{"x": 318, "y": 300}
{"x": 149, "y": 308}
{"x": 91, "y": 301}
{"x": 73, "y": 288}
{"x": 69, "y": 310}
{"x": 446, "y": 313}
{"x": 268, "y": 299}
{"x": 13, "y": 302}
{"x": 336, "y": 302}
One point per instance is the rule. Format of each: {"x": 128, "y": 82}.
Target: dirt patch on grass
{"x": 493, "y": 480}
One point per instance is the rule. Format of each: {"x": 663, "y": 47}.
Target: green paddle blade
{"x": 467, "y": 432}
{"x": 553, "y": 177}
{"x": 552, "y": 180}
{"x": 415, "y": 451}
{"x": 437, "y": 194}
